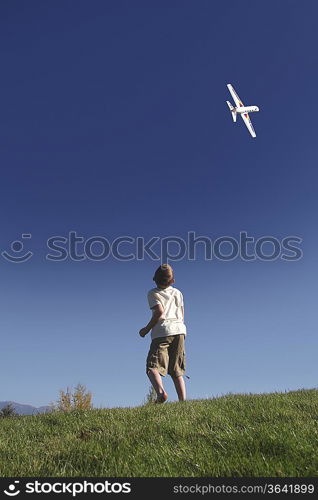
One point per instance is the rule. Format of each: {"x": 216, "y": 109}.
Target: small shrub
{"x": 8, "y": 411}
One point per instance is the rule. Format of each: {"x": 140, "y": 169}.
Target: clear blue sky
{"x": 113, "y": 122}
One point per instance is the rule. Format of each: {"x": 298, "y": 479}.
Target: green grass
{"x": 236, "y": 435}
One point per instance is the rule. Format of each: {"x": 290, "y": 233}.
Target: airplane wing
{"x": 236, "y": 98}
{"x": 248, "y": 123}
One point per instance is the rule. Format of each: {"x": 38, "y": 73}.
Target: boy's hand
{"x": 143, "y": 332}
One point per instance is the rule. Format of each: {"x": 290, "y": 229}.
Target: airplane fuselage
{"x": 246, "y": 109}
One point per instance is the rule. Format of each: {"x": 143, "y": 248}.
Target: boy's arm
{"x": 157, "y": 311}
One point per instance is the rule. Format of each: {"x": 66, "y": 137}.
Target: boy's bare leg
{"x": 155, "y": 379}
{"x": 180, "y": 387}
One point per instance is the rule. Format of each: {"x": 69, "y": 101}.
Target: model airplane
{"x": 241, "y": 110}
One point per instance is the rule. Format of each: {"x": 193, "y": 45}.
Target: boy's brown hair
{"x": 163, "y": 275}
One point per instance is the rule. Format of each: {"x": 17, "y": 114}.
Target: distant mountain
{"x": 25, "y": 409}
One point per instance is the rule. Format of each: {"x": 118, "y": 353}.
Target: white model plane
{"x": 241, "y": 110}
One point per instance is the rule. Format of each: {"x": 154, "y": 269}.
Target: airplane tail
{"x": 233, "y": 111}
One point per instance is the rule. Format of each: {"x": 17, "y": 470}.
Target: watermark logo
{"x": 192, "y": 247}
{"x": 17, "y": 247}
{"x": 12, "y": 490}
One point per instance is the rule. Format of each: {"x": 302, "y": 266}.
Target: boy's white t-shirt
{"x": 171, "y": 300}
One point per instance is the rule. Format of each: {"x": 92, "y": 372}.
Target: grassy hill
{"x": 235, "y": 435}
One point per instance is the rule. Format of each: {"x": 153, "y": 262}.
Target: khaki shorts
{"x": 167, "y": 355}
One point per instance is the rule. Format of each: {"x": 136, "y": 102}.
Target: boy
{"x": 166, "y": 353}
